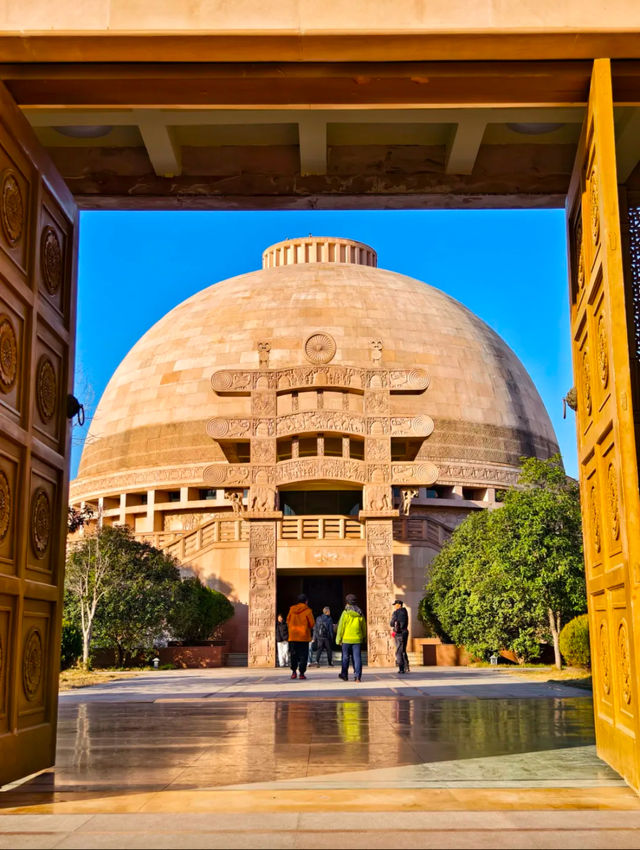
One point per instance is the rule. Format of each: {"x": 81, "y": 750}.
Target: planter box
{"x": 212, "y": 655}
{"x": 444, "y": 655}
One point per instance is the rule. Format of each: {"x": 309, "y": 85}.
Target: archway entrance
{"x": 321, "y": 589}
{"x": 38, "y": 258}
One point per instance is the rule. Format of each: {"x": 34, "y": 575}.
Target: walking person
{"x": 282, "y": 641}
{"x": 400, "y": 625}
{"x": 300, "y": 623}
{"x": 323, "y": 636}
{"x": 352, "y": 632}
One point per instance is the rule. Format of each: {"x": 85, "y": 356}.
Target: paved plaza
{"x": 239, "y": 758}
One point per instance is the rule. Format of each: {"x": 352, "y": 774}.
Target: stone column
{"x": 380, "y": 590}
{"x": 262, "y": 592}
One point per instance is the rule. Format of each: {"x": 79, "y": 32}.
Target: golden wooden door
{"x": 38, "y": 227}
{"x": 606, "y": 435}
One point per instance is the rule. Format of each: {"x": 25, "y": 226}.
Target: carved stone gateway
{"x": 262, "y": 592}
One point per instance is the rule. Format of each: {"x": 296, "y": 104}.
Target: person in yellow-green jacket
{"x": 352, "y": 632}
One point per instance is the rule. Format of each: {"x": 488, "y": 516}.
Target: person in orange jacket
{"x": 300, "y": 623}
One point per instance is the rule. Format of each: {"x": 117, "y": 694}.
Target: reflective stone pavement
{"x": 217, "y": 758}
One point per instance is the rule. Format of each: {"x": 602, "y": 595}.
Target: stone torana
{"x": 319, "y": 426}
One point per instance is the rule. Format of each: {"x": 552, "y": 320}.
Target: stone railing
{"x": 416, "y": 529}
{"x": 320, "y": 528}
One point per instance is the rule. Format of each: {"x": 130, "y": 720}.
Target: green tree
{"x": 511, "y": 576}
{"x": 197, "y": 611}
{"x": 138, "y": 597}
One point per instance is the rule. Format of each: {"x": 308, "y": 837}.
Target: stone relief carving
{"x": 263, "y": 451}
{"x": 226, "y": 473}
{"x": 262, "y": 538}
{"x": 320, "y": 420}
{"x": 465, "y": 473}
{"x": 221, "y": 429}
{"x": 262, "y": 592}
{"x": 408, "y": 494}
{"x": 595, "y": 518}
{"x": 263, "y": 498}
{"x": 40, "y": 522}
{"x": 263, "y": 404}
{"x": 263, "y": 354}
{"x": 11, "y": 206}
{"x": 419, "y": 473}
{"x": 320, "y": 347}
{"x": 379, "y": 537}
{"x": 46, "y": 388}
{"x": 347, "y": 377}
{"x": 51, "y": 259}
{"x": 579, "y": 247}
{"x": 377, "y": 498}
{"x": 377, "y": 402}
{"x": 8, "y": 354}
{"x": 235, "y": 498}
{"x": 32, "y": 663}
{"x": 326, "y": 467}
{"x": 6, "y": 505}
{"x": 378, "y": 450}
{"x": 376, "y": 350}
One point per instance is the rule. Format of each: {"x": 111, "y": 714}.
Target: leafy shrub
{"x": 574, "y": 642}
{"x": 71, "y": 648}
{"x": 197, "y": 611}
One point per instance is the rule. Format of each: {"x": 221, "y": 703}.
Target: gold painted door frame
{"x": 38, "y": 234}
{"x": 605, "y": 430}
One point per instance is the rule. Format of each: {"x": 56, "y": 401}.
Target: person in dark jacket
{"x": 323, "y": 636}
{"x": 282, "y": 641}
{"x": 300, "y": 622}
{"x": 400, "y": 625}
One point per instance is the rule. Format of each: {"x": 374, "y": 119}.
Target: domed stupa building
{"x": 318, "y": 426}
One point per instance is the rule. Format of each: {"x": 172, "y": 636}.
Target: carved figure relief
{"x": 418, "y": 473}
{"x": 595, "y": 518}
{"x": 408, "y": 494}
{"x": 8, "y": 354}
{"x": 46, "y": 388}
{"x": 605, "y": 669}
{"x": 263, "y": 404}
{"x": 262, "y": 498}
{"x": 263, "y": 354}
{"x": 224, "y": 473}
{"x": 603, "y": 355}
{"x": 5, "y": 505}
{"x": 376, "y": 350}
{"x": 379, "y": 537}
{"x": 614, "y": 515}
{"x": 377, "y": 402}
{"x": 586, "y": 383}
{"x": 381, "y": 568}
{"x": 624, "y": 662}
{"x": 221, "y": 429}
{"x": 320, "y": 347}
{"x": 11, "y": 206}
{"x": 235, "y": 498}
{"x": 377, "y": 498}
{"x": 51, "y": 260}
{"x": 32, "y": 663}
{"x": 40, "y": 522}
{"x": 595, "y": 209}
{"x": 262, "y": 538}
{"x": 579, "y": 249}
{"x": 378, "y": 450}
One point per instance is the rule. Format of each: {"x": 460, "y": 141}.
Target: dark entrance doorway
{"x": 321, "y": 590}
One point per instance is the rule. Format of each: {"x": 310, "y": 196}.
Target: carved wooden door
{"x": 38, "y": 226}
{"x": 606, "y": 437}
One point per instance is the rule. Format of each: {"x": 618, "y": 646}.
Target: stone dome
{"x": 151, "y": 423}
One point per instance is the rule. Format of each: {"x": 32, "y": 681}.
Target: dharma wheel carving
{"x": 5, "y": 505}
{"x": 40, "y": 522}
{"x": 32, "y": 663}
{"x": 46, "y": 388}
{"x": 11, "y": 206}
{"x": 320, "y": 348}
{"x": 8, "y": 354}
{"x": 51, "y": 259}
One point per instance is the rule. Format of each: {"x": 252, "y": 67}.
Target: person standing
{"x": 400, "y": 625}
{"x": 282, "y": 641}
{"x": 323, "y": 636}
{"x": 300, "y": 623}
{"x": 352, "y": 631}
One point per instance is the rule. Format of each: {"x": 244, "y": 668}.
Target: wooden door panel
{"x": 38, "y": 227}
{"x": 605, "y": 429}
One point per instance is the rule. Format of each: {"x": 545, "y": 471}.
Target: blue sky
{"x": 508, "y": 267}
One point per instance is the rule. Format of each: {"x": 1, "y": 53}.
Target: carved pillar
{"x": 380, "y": 591}
{"x": 262, "y": 591}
